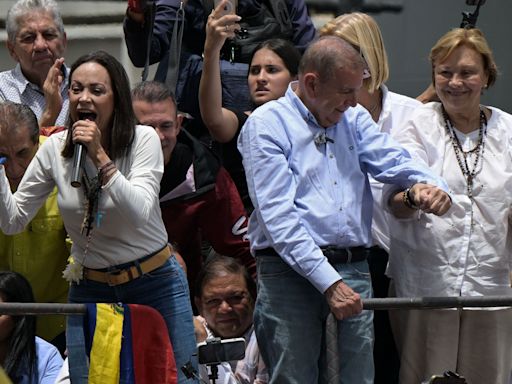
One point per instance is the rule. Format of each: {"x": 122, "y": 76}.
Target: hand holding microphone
{"x": 83, "y": 136}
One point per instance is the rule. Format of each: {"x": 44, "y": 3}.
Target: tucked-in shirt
{"x": 396, "y": 111}
{"x": 131, "y": 224}
{"x": 307, "y": 193}
{"x": 40, "y": 254}
{"x": 49, "y": 363}
{"x": 447, "y": 255}
{"x": 15, "y": 87}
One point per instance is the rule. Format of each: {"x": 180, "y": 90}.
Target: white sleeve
{"x": 137, "y": 192}
{"x": 18, "y": 209}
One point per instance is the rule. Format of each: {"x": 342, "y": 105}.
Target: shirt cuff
{"x": 324, "y": 276}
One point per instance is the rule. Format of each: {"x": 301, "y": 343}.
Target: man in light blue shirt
{"x": 307, "y": 156}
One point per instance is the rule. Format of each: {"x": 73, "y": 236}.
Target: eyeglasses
{"x": 232, "y": 300}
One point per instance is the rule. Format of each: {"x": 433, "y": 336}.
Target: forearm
{"x": 136, "y": 33}
{"x": 303, "y": 29}
{"x": 210, "y": 92}
{"x": 17, "y": 211}
{"x": 49, "y": 117}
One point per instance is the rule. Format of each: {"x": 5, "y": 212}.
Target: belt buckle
{"x": 110, "y": 274}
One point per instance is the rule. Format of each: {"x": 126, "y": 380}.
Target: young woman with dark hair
{"x": 274, "y": 63}
{"x": 24, "y": 357}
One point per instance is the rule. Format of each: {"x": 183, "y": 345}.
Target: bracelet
{"x": 108, "y": 164}
{"x": 406, "y": 198}
{"x": 105, "y": 171}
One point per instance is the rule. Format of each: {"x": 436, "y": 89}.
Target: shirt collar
{"x": 295, "y": 100}
{"x": 22, "y": 82}
{"x": 386, "y": 107}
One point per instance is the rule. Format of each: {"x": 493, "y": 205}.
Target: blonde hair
{"x": 362, "y": 31}
{"x": 472, "y": 38}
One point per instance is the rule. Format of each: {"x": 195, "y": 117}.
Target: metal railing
{"x": 370, "y": 304}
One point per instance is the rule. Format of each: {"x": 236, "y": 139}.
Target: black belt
{"x": 333, "y": 254}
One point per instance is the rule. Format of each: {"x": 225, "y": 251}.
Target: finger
{"x": 218, "y": 9}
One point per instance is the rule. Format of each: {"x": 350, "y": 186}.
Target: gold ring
{"x": 227, "y": 28}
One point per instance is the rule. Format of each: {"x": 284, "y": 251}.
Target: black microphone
{"x": 78, "y": 164}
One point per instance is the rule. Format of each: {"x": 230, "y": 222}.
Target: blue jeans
{"x": 289, "y": 321}
{"x": 165, "y": 289}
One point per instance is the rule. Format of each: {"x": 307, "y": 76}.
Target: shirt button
{"x": 335, "y": 183}
{"x": 331, "y": 156}
{"x": 341, "y": 208}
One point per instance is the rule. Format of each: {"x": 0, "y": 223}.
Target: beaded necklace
{"x": 461, "y": 155}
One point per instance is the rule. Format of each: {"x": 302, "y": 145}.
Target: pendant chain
{"x": 461, "y": 155}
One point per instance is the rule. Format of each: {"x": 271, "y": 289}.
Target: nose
{"x": 14, "y": 170}
{"x": 160, "y": 134}
{"x": 40, "y": 43}
{"x": 262, "y": 76}
{"x": 455, "y": 80}
{"x": 224, "y": 306}
{"x": 84, "y": 96}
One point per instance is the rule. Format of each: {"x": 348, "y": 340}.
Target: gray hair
{"x": 14, "y": 116}
{"x": 327, "y": 54}
{"x": 24, "y": 7}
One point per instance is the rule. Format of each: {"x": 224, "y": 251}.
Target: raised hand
{"x": 52, "y": 96}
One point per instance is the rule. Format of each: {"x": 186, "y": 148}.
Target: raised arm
{"x": 303, "y": 28}
{"x": 52, "y": 95}
{"x": 136, "y": 32}
{"x": 221, "y": 122}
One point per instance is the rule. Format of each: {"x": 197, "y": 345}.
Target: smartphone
{"x": 229, "y": 8}
{"x": 447, "y": 378}
{"x": 216, "y": 351}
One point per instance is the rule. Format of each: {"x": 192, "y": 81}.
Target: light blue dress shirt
{"x": 309, "y": 194}
{"x": 49, "y": 363}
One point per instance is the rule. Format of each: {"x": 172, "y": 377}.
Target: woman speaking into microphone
{"x": 120, "y": 251}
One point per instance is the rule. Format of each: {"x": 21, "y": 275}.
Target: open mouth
{"x": 86, "y": 116}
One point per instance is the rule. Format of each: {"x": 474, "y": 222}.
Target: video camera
{"x": 469, "y": 19}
